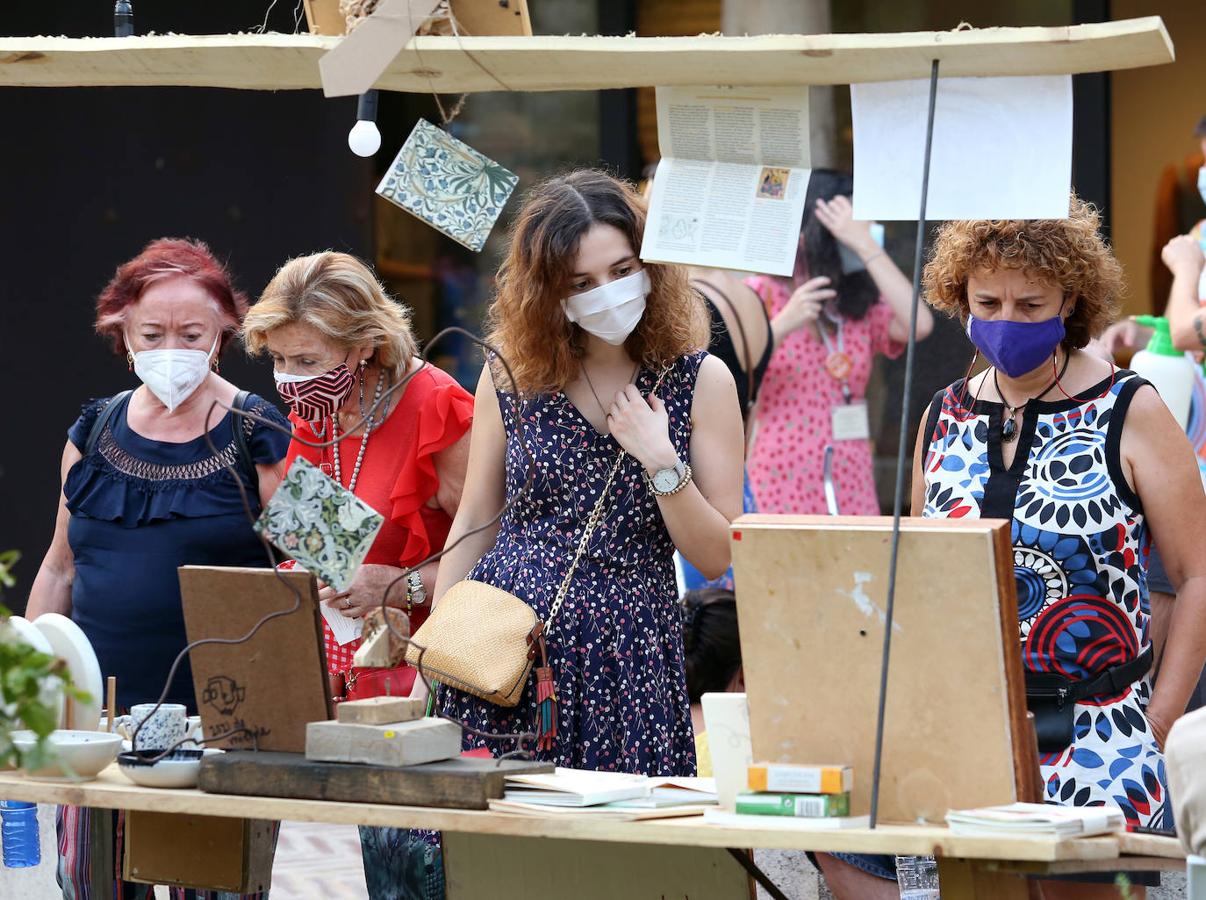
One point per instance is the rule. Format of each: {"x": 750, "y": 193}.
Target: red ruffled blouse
{"x": 398, "y": 477}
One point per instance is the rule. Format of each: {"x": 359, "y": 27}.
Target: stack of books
{"x": 819, "y": 794}
{"x": 612, "y": 795}
{"x": 1042, "y": 819}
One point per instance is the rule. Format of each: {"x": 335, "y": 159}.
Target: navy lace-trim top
{"x": 140, "y": 508}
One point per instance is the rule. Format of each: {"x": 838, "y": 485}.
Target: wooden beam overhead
{"x": 548, "y": 63}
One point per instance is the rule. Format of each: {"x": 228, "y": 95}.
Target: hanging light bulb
{"x": 364, "y": 139}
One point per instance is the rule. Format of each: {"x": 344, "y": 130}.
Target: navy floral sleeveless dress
{"x": 616, "y": 647}
{"x": 1080, "y": 547}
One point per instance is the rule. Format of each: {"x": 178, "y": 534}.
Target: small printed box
{"x": 788, "y": 778}
{"x": 801, "y": 806}
{"x": 320, "y": 523}
{"x": 448, "y": 185}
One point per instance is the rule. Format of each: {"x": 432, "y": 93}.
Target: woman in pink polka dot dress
{"x": 828, "y": 325}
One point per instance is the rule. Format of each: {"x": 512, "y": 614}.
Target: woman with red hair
{"x": 143, "y": 493}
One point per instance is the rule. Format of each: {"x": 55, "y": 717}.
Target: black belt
{"x": 1113, "y": 680}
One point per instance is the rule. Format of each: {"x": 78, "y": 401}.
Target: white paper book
{"x": 612, "y": 812}
{"x": 577, "y": 788}
{"x": 667, "y": 793}
{"x": 1036, "y": 818}
{"x": 729, "y": 191}
{"x": 783, "y": 823}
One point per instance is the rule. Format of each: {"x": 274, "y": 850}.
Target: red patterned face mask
{"x": 314, "y": 397}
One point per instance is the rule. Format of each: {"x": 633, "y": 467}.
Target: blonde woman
{"x": 338, "y": 342}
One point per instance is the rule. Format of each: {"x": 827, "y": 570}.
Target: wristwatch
{"x": 416, "y": 594}
{"x": 665, "y": 482}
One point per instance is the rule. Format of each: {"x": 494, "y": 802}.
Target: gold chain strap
{"x": 592, "y": 522}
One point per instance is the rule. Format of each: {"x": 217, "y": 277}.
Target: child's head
{"x": 712, "y": 643}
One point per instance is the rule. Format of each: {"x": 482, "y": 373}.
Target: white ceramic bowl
{"x": 76, "y": 755}
{"x": 179, "y": 770}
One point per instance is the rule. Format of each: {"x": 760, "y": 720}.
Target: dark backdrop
{"x": 89, "y": 175}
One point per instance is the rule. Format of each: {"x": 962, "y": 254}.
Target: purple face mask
{"x": 1016, "y": 347}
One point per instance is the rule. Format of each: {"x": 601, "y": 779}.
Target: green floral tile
{"x": 448, "y": 185}
{"x": 320, "y": 523}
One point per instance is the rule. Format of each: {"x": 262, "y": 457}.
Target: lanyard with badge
{"x": 849, "y": 418}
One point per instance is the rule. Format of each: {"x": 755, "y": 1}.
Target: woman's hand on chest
{"x": 642, "y": 427}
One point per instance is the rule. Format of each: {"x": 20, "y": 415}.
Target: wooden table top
{"x": 112, "y": 790}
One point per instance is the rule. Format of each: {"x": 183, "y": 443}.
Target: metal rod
{"x": 902, "y": 451}
{"x": 757, "y": 874}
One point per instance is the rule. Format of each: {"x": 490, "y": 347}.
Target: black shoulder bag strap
{"x": 102, "y": 419}
{"x": 238, "y": 425}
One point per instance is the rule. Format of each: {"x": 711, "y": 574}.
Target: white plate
{"x": 52, "y": 689}
{"x": 30, "y": 635}
{"x": 74, "y": 648}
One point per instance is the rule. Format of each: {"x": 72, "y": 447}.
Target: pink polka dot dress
{"x": 793, "y": 417}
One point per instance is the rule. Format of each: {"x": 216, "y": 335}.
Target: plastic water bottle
{"x": 19, "y": 832}
{"x": 917, "y": 877}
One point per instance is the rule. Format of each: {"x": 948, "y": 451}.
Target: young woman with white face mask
{"x": 606, "y": 353}
{"x": 143, "y": 493}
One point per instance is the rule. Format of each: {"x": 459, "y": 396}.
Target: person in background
{"x": 739, "y": 335}
{"x": 1183, "y": 258}
{"x": 337, "y": 343}
{"x": 713, "y": 657}
{"x": 828, "y": 322}
{"x": 1179, "y": 205}
{"x": 143, "y": 494}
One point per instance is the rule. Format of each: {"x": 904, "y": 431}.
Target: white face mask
{"x": 611, "y": 311}
{"x": 172, "y": 375}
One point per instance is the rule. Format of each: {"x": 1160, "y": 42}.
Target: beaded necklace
{"x": 369, "y": 424}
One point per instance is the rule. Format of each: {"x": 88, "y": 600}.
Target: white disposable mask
{"x": 172, "y": 375}
{"x": 611, "y": 311}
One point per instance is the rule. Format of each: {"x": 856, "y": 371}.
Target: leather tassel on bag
{"x": 546, "y": 703}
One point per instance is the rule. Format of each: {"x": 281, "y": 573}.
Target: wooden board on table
{"x": 811, "y": 595}
{"x": 399, "y": 744}
{"x": 260, "y": 693}
{"x": 461, "y": 783}
{"x": 515, "y": 868}
{"x": 555, "y": 63}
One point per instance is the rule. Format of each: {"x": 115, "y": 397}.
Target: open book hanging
{"x": 448, "y": 185}
{"x": 320, "y": 523}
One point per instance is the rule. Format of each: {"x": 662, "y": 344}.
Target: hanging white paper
{"x": 729, "y": 191}
{"x": 1002, "y": 148}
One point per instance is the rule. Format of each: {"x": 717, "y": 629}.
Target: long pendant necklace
{"x": 369, "y": 424}
{"x": 590, "y": 384}
{"x": 1009, "y": 427}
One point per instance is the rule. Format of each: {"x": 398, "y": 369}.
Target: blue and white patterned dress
{"x": 616, "y": 647}
{"x": 1080, "y": 548}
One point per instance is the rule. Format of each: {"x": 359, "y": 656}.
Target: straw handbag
{"x": 484, "y": 641}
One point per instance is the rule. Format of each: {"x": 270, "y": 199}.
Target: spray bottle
{"x": 1169, "y": 370}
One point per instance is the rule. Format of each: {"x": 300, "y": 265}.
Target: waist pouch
{"x": 1052, "y": 698}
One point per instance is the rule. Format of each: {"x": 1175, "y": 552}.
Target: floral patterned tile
{"x": 448, "y": 185}
{"x": 320, "y": 523}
